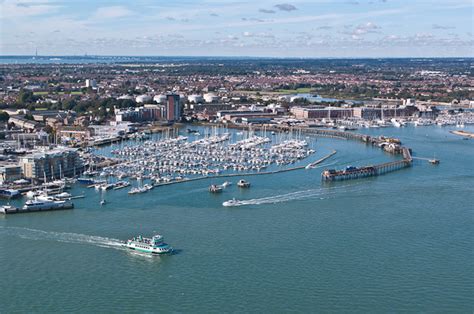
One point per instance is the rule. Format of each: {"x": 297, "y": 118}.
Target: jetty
{"x": 369, "y": 171}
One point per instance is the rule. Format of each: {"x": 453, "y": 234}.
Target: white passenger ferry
{"x": 154, "y": 245}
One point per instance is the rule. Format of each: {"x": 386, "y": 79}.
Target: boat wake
{"x": 321, "y": 193}
{"x": 66, "y": 237}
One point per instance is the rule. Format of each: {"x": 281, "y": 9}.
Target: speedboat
{"x": 243, "y": 184}
{"x": 434, "y": 161}
{"x": 226, "y": 184}
{"x": 63, "y": 196}
{"x": 153, "y": 245}
{"x": 232, "y": 202}
{"x": 215, "y": 189}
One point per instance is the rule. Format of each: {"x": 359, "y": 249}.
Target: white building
{"x": 91, "y": 83}
{"x": 195, "y": 99}
{"x": 211, "y": 97}
{"x": 143, "y": 99}
{"x": 160, "y": 99}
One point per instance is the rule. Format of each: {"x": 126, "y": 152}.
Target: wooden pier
{"x": 369, "y": 171}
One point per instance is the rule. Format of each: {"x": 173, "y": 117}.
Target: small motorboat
{"x": 434, "y": 161}
{"x": 215, "y": 189}
{"x": 232, "y": 202}
{"x": 226, "y": 184}
{"x": 243, "y": 184}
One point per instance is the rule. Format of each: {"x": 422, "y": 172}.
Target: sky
{"x": 280, "y": 28}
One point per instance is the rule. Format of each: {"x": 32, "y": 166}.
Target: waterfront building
{"x": 25, "y": 124}
{"x": 369, "y": 113}
{"x": 76, "y": 132}
{"x": 318, "y": 112}
{"x": 256, "y": 120}
{"x": 53, "y": 163}
{"x": 149, "y": 112}
{"x": 9, "y": 172}
{"x": 237, "y": 115}
{"x": 173, "y": 107}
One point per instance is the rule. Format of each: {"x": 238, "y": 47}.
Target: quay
{"x": 8, "y": 209}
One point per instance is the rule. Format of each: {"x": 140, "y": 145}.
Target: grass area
{"x": 58, "y": 93}
{"x": 303, "y": 90}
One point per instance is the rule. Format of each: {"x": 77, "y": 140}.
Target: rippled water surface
{"x": 398, "y": 242}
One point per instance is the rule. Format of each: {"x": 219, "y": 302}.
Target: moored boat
{"x": 9, "y": 193}
{"x": 8, "y": 209}
{"x": 46, "y": 204}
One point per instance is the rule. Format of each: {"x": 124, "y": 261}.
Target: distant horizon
{"x": 232, "y": 56}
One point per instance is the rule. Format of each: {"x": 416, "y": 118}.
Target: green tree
{"x": 26, "y": 97}
{"x": 4, "y": 116}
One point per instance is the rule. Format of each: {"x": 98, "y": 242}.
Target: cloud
{"x": 325, "y": 27}
{"x": 437, "y": 26}
{"x": 22, "y": 8}
{"x": 112, "y": 12}
{"x": 258, "y": 35}
{"x": 214, "y": 14}
{"x": 266, "y": 11}
{"x": 368, "y": 27}
{"x": 286, "y": 7}
{"x": 253, "y": 19}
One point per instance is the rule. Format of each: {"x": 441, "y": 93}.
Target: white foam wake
{"x": 67, "y": 237}
{"x": 321, "y": 193}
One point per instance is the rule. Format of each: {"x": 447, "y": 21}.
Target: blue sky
{"x": 317, "y": 28}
